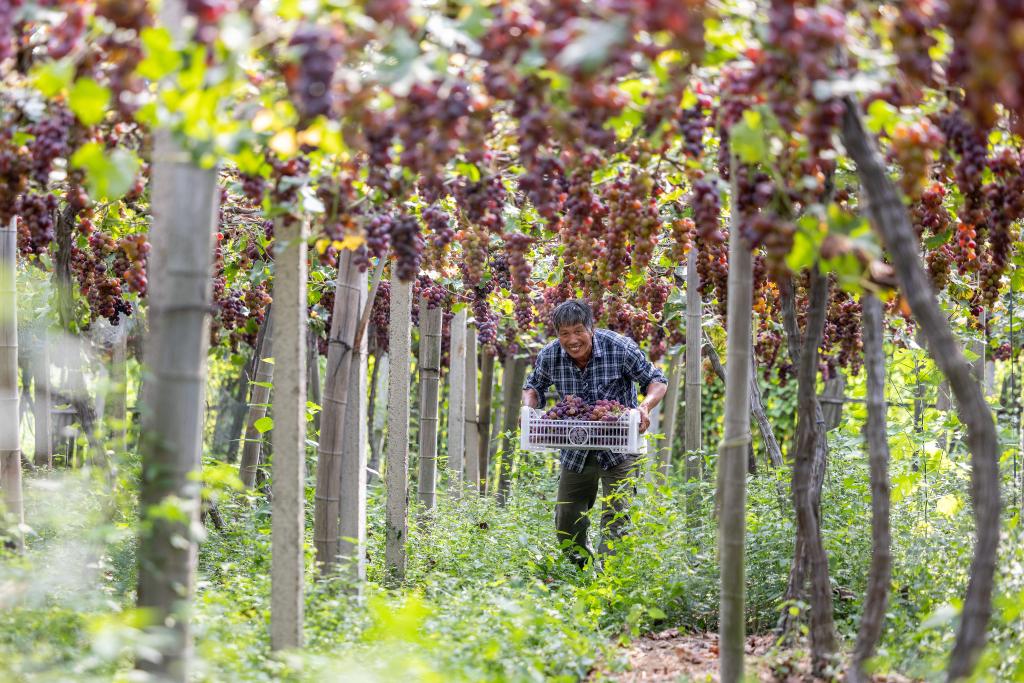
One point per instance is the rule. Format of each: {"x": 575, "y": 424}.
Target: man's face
{"x": 577, "y": 341}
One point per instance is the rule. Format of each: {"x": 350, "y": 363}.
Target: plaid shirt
{"x": 614, "y": 369}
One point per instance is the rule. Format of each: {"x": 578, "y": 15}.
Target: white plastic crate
{"x": 622, "y": 436}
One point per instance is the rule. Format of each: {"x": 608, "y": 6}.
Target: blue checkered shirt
{"x": 614, "y": 370}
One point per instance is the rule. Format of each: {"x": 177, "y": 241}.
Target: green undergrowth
{"x": 487, "y": 596}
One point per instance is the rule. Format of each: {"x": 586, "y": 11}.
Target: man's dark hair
{"x": 574, "y": 312}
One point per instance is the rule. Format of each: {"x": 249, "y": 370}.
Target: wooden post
{"x": 289, "y": 436}
{"x": 352, "y": 547}
{"x": 397, "y": 475}
{"x": 185, "y": 205}
{"x": 116, "y": 405}
{"x": 669, "y": 417}
{"x": 514, "y": 386}
{"x": 344, "y": 320}
{"x": 456, "y": 402}
{"x": 732, "y": 463}
{"x": 379, "y": 408}
{"x": 430, "y": 374}
{"x": 10, "y": 422}
{"x": 692, "y": 427}
{"x": 259, "y": 399}
{"x": 472, "y": 436}
{"x": 41, "y": 404}
{"x": 484, "y": 418}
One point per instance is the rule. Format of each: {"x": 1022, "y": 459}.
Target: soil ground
{"x": 671, "y": 657}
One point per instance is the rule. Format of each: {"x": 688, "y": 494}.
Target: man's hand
{"x": 645, "y": 418}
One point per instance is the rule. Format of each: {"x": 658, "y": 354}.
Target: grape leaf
{"x": 108, "y": 174}
{"x": 89, "y": 101}
{"x": 264, "y": 424}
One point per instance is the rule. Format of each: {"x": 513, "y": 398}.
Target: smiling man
{"x": 593, "y": 365}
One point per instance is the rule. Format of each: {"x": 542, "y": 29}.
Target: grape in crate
{"x": 592, "y": 370}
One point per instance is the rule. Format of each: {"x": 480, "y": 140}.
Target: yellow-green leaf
{"x": 161, "y": 57}
{"x": 108, "y": 174}
{"x": 89, "y": 101}
{"x": 52, "y": 77}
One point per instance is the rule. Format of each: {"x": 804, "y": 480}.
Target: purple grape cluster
{"x": 318, "y": 55}
{"x": 575, "y": 408}
{"x": 407, "y": 244}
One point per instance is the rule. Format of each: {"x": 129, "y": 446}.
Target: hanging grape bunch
{"x": 440, "y": 234}
{"x": 913, "y": 147}
{"x": 132, "y": 251}
{"x": 36, "y": 212}
{"x": 683, "y": 231}
{"x": 485, "y": 317}
{"x": 928, "y": 213}
{"x": 707, "y": 211}
{"x": 316, "y": 51}
{"x": 407, "y": 246}
{"x": 50, "y": 143}
{"x": 516, "y": 245}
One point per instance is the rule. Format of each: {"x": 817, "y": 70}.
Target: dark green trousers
{"x": 577, "y": 493}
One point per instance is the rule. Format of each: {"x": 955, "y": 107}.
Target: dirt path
{"x": 669, "y": 657}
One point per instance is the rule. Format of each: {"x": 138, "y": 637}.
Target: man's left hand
{"x": 645, "y": 419}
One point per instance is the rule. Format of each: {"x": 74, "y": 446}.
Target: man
{"x": 593, "y": 364}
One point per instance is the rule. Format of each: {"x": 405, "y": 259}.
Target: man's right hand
{"x": 530, "y": 398}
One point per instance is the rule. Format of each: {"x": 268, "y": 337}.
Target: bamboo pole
{"x": 397, "y": 475}
{"x": 185, "y": 207}
{"x": 41, "y": 403}
{"x": 514, "y": 385}
{"x": 484, "y": 418}
{"x": 430, "y": 373}
{"x": 472, "y": 436}
{"x": 259, "y": 400}
{"x": 457, "y": 402}
{"x": 732, "y": 454}
{"x": 692, "y": 428}
{"x": 352, "y": 548}
{"x": 289, "y": 437}
{"x": 669, "y": 417}
{"x": 10, "y": 423}
{"x": 327, "y": 499}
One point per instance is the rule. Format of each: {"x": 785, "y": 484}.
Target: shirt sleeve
{"x": 539, "y": 379}
{"x": 640, "y": 369}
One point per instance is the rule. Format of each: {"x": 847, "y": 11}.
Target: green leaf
{"x": 881, "y": 116}
{"x": 89, "y": 100}
{"x": 656, "y": 613}
{"x": 747, "y": 138}
{"x": 161, "y": 57}
{"x": 264, "y": 424}
{"x": 1017, "y": 280}
{"x": 52, "y": 77}
{"x": 108, "y": 174}
{"x": 468, "y": 170}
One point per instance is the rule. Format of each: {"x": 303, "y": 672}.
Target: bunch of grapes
{"x": 545, "y": 186}
{"x": 128, "y": 14}
{"x": 257, "y": 298}
{"x": 439, "y": 227}
{"x": 776, "y": 234}
{"x": 939, "y": 262}
{"x": 7, "y": 33}
{"x": 989, "y": 278}
{"x": 713, "y": 272}
{"x": 516, "y": 245}
{"x": 130, "y": 261}
{"x": 208, "y": 14}
{"x": 50, "y": 143}
{"x": 575, "y": 408}
{"x": 475, "y": 243}
{"x": 693, "y": 121}
{"x": 914, "y": 146}
{"x": 288, "y": 176}
{"x": 407, "y": 245}
{"x": 486, "y": 319}
{"x": 380, "y": 315}
{"x": 317, "y": 53}
{"x": 707, "y": 211}
{"x": 966, "y": 255}
{"x": 37, "y": 213}
{"x": 15, "y": 169}
{"x": 928, "y": 213}
{"x": 378, "y": 238}
{"x": 253, "y": 187}
{"x": 426, "y": 289}
{"x": 971, "y": 143}
{"x": 912, "y": 39}
{"x": 683, "y": 231}
{"x": 481, "y": 202}
{"x": 583, "y": 219}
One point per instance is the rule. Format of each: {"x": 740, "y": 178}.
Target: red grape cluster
{"x": 481, "y": 202}
{"x": 440, "y": 231}
{"x": 317, "y": 52}
{"x": 50, "y": 143}
{"x": 208, "y": 14}
{"x": 130, "y": 262}
{"x": 693, "y": 122}
{"x": 485, "y": 317}
{"x": 288, "y": 177}
{"x": 939, "y": 262}
{"x": 914, "y": 146}
{"x": 912, "y": 39}
{"x": 707, "y": 211}
{"x": 966, "y": 254}
{"x": 545, "y": 186}
{"x": 683, "y": 231}
{"x": 575, "y": 408}
{"x": 36, "y": 231}
{"x": 475, "y": 242}
{"x": 380, "y": 315}
{"x": 517, "y": 245}
{"x": 407, "y": 245}
{"x": 928, "y": 213}
{"x": 15, "y": 169}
